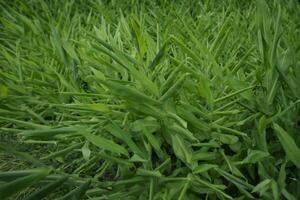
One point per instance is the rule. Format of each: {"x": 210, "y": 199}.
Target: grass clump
{"x": 149, "y": 99}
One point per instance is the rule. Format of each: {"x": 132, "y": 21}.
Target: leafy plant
{"x": 149, "y": 99}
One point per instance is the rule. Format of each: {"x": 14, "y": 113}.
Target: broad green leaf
{"x": 262, "y": 186}
{"x": 290, "y": 147}
{"x": 182, "y": 151}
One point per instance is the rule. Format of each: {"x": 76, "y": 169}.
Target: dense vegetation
{"x": 150, "y": 99}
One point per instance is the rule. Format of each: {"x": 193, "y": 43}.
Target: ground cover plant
{"x": 155, "y": 100}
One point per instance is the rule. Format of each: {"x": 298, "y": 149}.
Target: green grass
{"x": 155, "y": 100}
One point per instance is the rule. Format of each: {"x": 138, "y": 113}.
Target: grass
{"x": 149, "y": 100}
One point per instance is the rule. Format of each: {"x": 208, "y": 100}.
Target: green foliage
{"x": 155, "y": 100}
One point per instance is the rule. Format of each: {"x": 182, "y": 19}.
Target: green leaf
{"x": 86, "y": 152}
{"x": 104, "y": 143}
{"x": 70, "y": 50}
{"x": 182, "y": 151}
{"x": 123, "y": 135}
{"x": 262, "y": 186}
{"x": 3, "y": 91}
{"x": 203, "y": 168}
{"x": 254, "y": 156}
{"x": 43, "y": 192}
{"x": 288, "y": 143}
{"x": 143, "y": 172}
{"x": 15, "y": 186}
{"x": 174, "y": 88}
{"x": 129, "y": 93}
{"x": 93, "y": 107}
{"x": 139, "y": 37}
{"x": 158, "y": 57}
{"x": 62, "y": 152}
